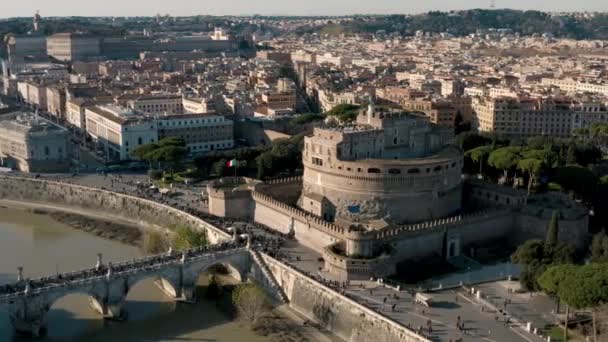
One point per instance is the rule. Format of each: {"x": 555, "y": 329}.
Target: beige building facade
{"x": 69, "y": 47}
{"x": 522, "y": 117}
{"x": 31, "y": 144}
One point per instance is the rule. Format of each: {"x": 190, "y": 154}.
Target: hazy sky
{"x": 10, "y": 8}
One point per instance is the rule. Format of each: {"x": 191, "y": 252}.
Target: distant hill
{"x": 526, "y": 23}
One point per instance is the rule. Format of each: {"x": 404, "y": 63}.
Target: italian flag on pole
{"x": 231, "y": 163}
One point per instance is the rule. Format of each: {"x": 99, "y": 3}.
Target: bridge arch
{"x": 95, "y": 301}
{"x": 232, "y": 270}
{"x": 70, "y": 314}
{"x": 168, "y": 282}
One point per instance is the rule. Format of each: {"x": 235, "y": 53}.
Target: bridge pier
{"x": 28, "y": 317}
{"x": 167, "y": 288}
{"x": 29, "y": 326}
{"x": 188, "y": 294}
{"x": 112, "y": 311}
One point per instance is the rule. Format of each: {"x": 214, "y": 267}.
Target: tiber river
{"x": 43, "y": 246}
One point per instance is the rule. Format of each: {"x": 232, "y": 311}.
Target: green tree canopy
{"x": 532, "y": 167}
{"x": 530, "y": 251}
{"x": 534, "y": 256}
{"x": 186, "y": 238}
{"x": 505, "y": 159}
{"x": 480, "y": 155}
{"x": 551, "y": 279}
{"x": 345, "y": 112}
{"x": 168, "y": 150}
{"x": 587, "y": 287}
{"x": 552, "y": 231}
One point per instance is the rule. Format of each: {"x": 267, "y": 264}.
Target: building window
{"x": 374, "y": 170}
{"x": 413, "y": 171}
{"x": 394, "y": 171}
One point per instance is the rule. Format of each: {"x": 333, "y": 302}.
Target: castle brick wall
{"x": 343, "y": 316}
{"x": 403, "y": 197}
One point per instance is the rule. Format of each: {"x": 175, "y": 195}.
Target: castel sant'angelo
{"x": 389, "y": 189}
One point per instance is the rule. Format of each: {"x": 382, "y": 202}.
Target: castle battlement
{"x": 448, "y": 222}
{"x": 314, "y": 221}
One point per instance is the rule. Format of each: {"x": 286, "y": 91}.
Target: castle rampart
{"x": 358, "y": 252}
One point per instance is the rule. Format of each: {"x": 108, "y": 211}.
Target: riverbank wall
{"x": 139, "y": 211}
{"x": 335, "y": 312}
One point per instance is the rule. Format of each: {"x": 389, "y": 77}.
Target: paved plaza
{"x": 486, "y": 325}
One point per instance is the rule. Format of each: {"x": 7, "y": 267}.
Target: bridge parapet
{"x": 85, "y": 276}
{"x": 107, "y": 286}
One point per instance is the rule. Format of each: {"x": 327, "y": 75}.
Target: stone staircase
{"x": 271, "y": 281}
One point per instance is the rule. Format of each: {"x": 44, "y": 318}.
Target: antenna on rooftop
{"x": 492, "y": 3}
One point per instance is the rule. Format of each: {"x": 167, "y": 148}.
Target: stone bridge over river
{"x": 107, "y": 286}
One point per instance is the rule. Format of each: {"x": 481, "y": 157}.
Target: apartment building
{"x": 283, "y": 58}
{"x": 450, "y": 86}
{"x": 587, "y": 113}
{"x": 279, "y": 100}
{"x": 118, "y": 130}
{"x": 439, "y": 112}
{"x": 329, "y": 58}
{"x": 398, "y": 95}
{"x": 33, "y": 93}
{"x": 329, "y": 99}
{"x": 194, "y": 105}
{"x": 303, "y": 57}
{"x": 157, "y": 104}
{"x": 236, "y": 84}
{"x": 75, "y": 110}
{"x": 201, "y": 132}
{"x": 523, "y": 117}
{"x": 573, "y": 86}
{"x": 55, "y": 98}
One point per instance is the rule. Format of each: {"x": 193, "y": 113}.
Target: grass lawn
{"x": 557, "y": 334}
